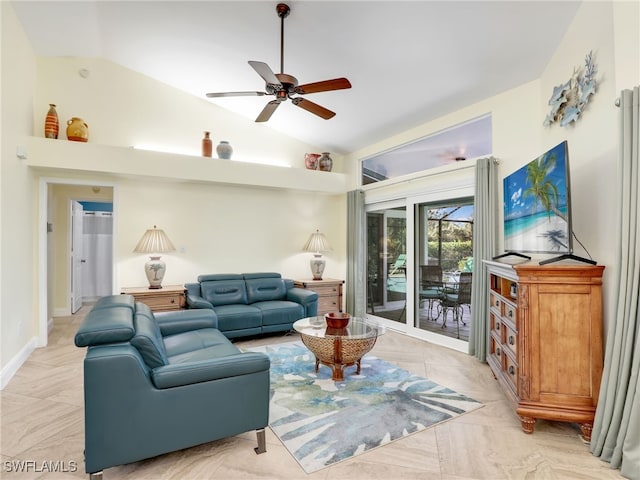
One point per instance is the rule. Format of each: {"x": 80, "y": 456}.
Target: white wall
{"x": 18, "y": 323}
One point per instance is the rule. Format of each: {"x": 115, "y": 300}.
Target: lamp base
{"x": 155, "y": 270}
{"x": 317, "y": 264}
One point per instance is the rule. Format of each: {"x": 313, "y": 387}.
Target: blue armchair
{"x": 159, "y": 383}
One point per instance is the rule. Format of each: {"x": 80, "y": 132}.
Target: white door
{"x": 77, "y": 262}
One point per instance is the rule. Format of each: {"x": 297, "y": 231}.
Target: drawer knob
{"x": 511, "y": 313}
{"x": 498, "y": 326}
{"x": 498, "y": 351}
{"x": 173, "y": 300}
{"x": 512, "y": 340}
{"x": 511, "y": 370}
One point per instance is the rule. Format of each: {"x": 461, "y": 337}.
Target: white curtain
{"x": 484, "y": 248}
{"x": 356, "y": 254}
{"x": 616, "y": 430}
{"x": 97, "y": 236}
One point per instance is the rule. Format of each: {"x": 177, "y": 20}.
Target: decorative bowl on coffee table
{"x": 337, "y": 319}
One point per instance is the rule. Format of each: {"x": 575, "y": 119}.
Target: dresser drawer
{"x": 510, "y": 371}
{"x": 167, "y": 302}
{"x": 171, "y": 297}
{"x": 326, "y": 290}
{"x": 510, "y": 339}
{"x": 496, "y": 324}
{"x": 509, "y": 311}
{"x": 328, "y": 304}
{"x": 495, "y": 348}
{"x": 495, "y": 303}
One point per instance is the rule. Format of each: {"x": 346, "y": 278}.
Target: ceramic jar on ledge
{"x": 77, "y": 130}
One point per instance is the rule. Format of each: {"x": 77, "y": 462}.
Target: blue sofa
{"x": 251, "y": 303}
{"x": 159, "y": 383}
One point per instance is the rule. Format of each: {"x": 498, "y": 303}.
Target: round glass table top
{"x": 357, "y": 328}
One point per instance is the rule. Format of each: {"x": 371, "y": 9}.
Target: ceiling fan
{"x": 284, "y": 86}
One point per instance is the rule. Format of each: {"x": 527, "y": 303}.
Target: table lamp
{"x": 317, "y": 243}
{"x": 154, "y": 241}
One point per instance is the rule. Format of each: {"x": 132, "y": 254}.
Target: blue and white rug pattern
{"x": 321, "y": 421}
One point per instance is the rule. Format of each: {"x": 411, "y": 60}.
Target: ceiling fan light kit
{"x": 284, "y": 86}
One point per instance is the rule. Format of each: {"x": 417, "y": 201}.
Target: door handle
{"x": 83, "y": 261}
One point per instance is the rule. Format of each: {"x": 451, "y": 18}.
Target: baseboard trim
{"x": 61, "y": 312}
{"x": 16, "y": 362}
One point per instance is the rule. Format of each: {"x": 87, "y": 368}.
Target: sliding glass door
{"x": 387, "y": 263}
{"x": 444, "y": 266}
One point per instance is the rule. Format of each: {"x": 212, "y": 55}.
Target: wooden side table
{"x": 169, "y": 297}
{"x": 329, "y": 292}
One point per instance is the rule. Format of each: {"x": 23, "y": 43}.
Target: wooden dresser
{"x": 169, "y": 297}
{"x": 545, "y": 334}
{"x": 329, "y": 292}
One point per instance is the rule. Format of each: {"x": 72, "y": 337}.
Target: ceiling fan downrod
{"x": 283, "y": 11}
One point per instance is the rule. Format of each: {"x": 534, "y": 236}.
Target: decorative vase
{"x": 224, "y": 150}
{"x": 51, "y": 123}
{"x": 311, "y": 160}
{"x": 77, "y": 130}
{"x": 207, "y": 145}
{"x": 325, "y": 163}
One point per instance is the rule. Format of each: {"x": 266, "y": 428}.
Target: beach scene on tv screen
{"x": 536, "y": 205}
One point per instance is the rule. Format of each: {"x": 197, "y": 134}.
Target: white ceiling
{"x": 409, "y": 62}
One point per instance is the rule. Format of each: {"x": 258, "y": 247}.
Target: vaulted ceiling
{"x": 408, "y": 61}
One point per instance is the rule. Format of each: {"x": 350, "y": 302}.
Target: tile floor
{"x": 42, "y": 421}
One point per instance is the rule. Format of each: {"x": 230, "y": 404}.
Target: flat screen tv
{"x": 537, "y": 205}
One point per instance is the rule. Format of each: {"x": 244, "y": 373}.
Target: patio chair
{"x": 400, "y": 265}
{"x": 430, "y": 286}
{"x": 456, "y": 299}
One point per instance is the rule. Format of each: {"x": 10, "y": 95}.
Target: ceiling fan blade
{"x": 265, "y": 72}
{"x": 314, "y": 108}
{"x": 236, "y": 94}
{"x": 324, "y": 86}
{"x": 267, "y": 111}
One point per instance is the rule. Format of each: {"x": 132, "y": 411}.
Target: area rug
{"x": 322, "y": 422}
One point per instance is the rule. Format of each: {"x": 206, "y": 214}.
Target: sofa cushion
{"x": 238, "y": 317}
{"x": 210, "y": 368}
{"x": 106, "y": 325}
{"x": 265, "y": 288}
{"x": 277, "y": 312}
{"x": 224, "y": 292}
{"x": 115, "y": 301}
{"x": 216, "y": 277}
{"x": 198, "y": 345}
{"x": 148, "y": 339}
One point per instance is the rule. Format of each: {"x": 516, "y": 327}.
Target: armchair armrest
{"x": 196, "y": 301}
{"x": 171, "y": 323}
{"x": 178, "y": 374}
{"x": 301, "y": 296}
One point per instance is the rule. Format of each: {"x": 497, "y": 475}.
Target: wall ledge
{"x": 49, "y": 156}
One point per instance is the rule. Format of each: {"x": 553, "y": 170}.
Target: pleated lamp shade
{"x": 154, "y": 241}
{"x": 317, "y": 243}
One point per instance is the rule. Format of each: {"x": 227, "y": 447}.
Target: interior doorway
{"x": 80, "y": 245}
{"x": 91, "y": 253}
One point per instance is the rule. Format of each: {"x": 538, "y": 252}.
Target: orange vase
{"x": 77, "y": 130}
{"x": 207, "y": 145}
{"x": 51, "y": 124}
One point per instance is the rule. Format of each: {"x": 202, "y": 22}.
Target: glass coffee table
{"x": 338, "y": 347}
